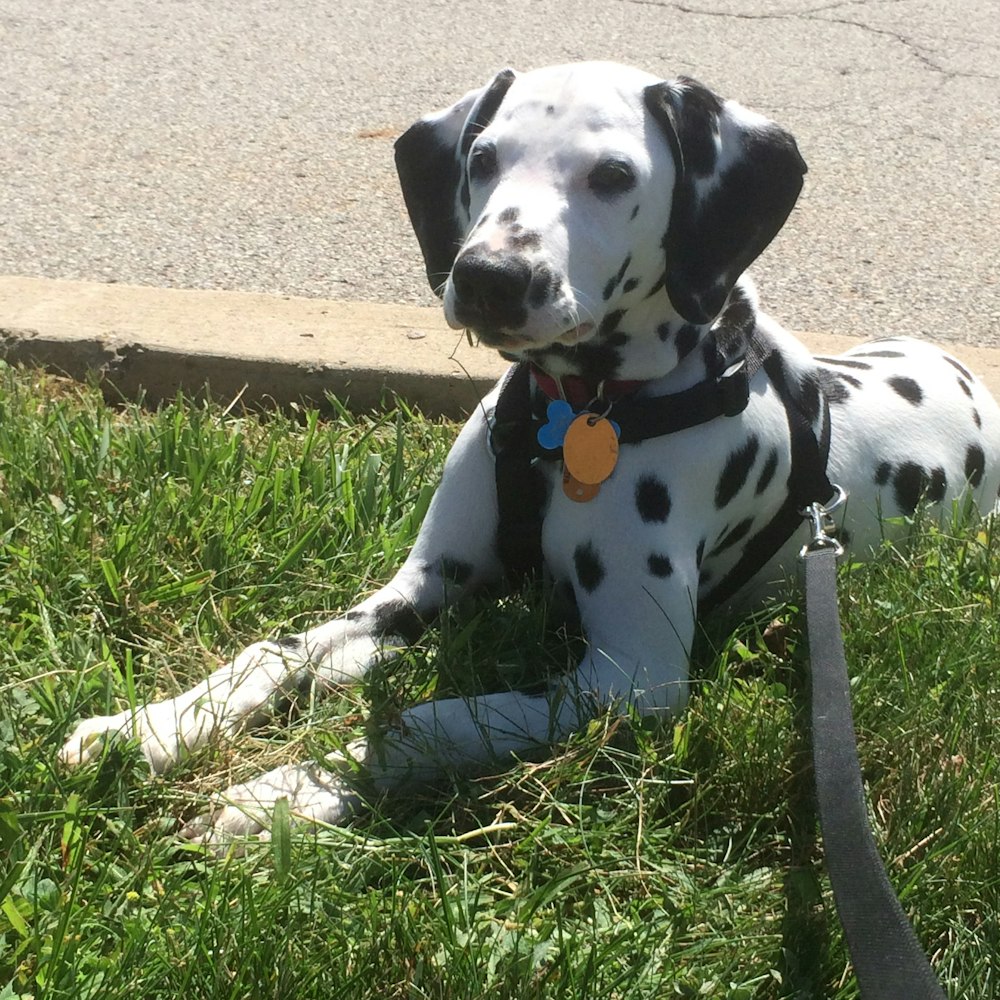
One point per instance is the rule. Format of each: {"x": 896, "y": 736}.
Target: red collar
{"x": 579, "y": 391}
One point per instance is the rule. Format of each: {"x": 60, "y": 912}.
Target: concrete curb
{"x": 268, "y": 350}
{"x": 265, "y": 349}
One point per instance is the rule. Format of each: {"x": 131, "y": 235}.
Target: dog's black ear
{"x": 430, "y": 161}
{"x": 738, "y": 177}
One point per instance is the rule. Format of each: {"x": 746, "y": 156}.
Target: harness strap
{"x": 807, "y": 480}
{"x": 520, "y": 488}
{"x": 888, "y": 960}
{"x": 725, "y": 396}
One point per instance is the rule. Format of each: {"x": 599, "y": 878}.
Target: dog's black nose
{"x": 490, "y": 289}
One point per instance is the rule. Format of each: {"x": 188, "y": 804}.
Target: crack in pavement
{"x": 921, "y": 53}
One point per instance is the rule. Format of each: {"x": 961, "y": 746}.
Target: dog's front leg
{"x": 454, "y": 553}
{"x": 637, "y": 658}
{"x": 639, "y": 642}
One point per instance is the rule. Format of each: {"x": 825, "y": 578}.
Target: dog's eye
{"x": 483, "y": 162}
{"x": 611, "y": 177}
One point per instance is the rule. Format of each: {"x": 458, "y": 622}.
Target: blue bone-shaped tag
{"x": 558, "y": 417}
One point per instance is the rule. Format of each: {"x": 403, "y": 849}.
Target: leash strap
{"x": 889, "y": 962}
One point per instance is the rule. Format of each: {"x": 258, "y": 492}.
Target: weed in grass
{"x": 638, "y": 861}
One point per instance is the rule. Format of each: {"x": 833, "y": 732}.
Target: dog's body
{"x": 597, "y": 222}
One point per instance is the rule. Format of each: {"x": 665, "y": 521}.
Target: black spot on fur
{"x": 907, "y": 484}
{"x": 540, "y": 286}
{"x": 847, "y": 363}
{"x": 912, "y": 482}
{"x": 659, "y": 565}
{"x": 833, "y": 388}
{"x": 609, "y": 322}
{"x": 882, "y": 473}
{"x": 652, "y": 498}
{"x": 975, "y": 464}
{"x": 663, "y": 331}
{"x": 658, "y": 286}
{"x": 635, "y": 212}
{"x": 879, "y": 354}
{"x": 809, "y": 396}
{"x": 508, "y": 215}
{"x": 397, "y": 618}
{"x": 613, "y": 283}
{"x": 589, "y": 570}
{"x": 767, "y": 473}
{"x": 630, "y": 285}
{"x": 686, "y": 340}
{"x": 938, "y": 485}
{"x": 907, "y": 388}
{"x": 289, "y": 642}
{"x": 977, "y": 419}
{"x": 454, "y": 570}
{"x": 735, "y": 472}
{"x": 526, "y": 240}
{"x": 955, "y": 364}
{"x": 736, "y": 534}
{"x": 964, "y": 386}
{"x": 700, "y": 552}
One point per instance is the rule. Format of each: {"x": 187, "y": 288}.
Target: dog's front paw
{"x": 317, "y": 792}
{"x": 164, "y": 734}
{"x": 87, "y": 740}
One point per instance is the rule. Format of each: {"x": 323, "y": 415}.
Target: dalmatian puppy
{"x": 597, "y": 221}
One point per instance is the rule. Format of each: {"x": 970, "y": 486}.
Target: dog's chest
{"x": 677, "y": 509}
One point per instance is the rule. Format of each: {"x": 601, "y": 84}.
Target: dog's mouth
{"x": 505, "y": 341}
{"x": 576, "y": 335}
{"x": 499, "y": 339}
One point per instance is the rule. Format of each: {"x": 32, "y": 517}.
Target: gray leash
{"x": 889, "y": 962}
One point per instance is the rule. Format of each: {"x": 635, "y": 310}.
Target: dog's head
{"x": 548, "y": 202}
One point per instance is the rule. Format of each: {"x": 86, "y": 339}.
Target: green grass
{"x": 136, "y": 547}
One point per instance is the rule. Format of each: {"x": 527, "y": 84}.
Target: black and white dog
{"x": 597, "y": 221}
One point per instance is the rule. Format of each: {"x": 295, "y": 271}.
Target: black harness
{"x": 520, "y": 491}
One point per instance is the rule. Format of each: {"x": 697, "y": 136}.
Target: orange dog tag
{"x": 577, "y": 491}
{"x": 590, "y": 449}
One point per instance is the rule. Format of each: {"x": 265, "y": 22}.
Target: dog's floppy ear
{"x": 738, "y": 176}
{"x": 430, "y": 161}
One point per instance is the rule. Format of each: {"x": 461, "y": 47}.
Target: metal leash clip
{"x": 822, "y": 524}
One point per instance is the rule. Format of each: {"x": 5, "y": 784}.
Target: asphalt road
{"x": 246, "y": 144}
